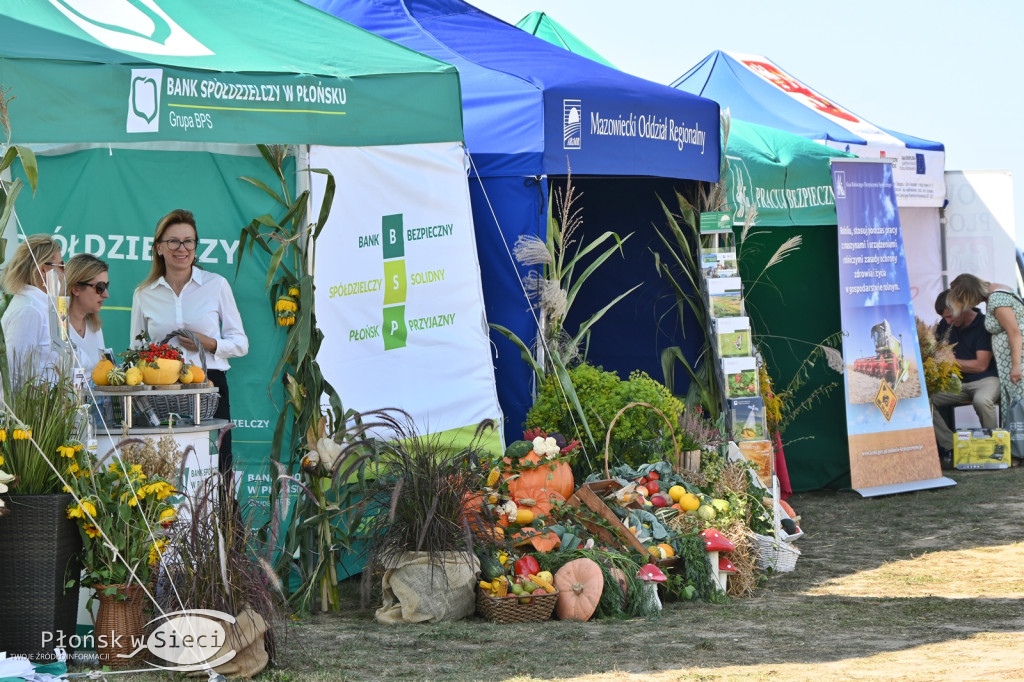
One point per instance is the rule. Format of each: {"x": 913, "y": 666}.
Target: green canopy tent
{"x": 544, "y": 27}
{"x": 136, "y": 108}
{"x": 275, "y": 72}
{"x": 787, "y": 180}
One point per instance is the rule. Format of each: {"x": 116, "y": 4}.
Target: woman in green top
{"x": 1004, "y": 320}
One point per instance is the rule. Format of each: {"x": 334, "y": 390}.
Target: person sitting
{"x": 972, "y": 348}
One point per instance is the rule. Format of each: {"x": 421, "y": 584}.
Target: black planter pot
{"x": 39, "y": 554}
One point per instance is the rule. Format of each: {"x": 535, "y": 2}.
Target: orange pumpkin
{"x": 555, "y": 476}
{"x": 580, "y": 584}
{"x": 541, "y": 501}
{"x": 545, "y": 542}
{"x": 786, "y": 508}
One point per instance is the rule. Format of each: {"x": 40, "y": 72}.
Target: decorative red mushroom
{"x": 725, "y": 566}
{"x": 651, "y": 575}
{"x": 716, "y": 542}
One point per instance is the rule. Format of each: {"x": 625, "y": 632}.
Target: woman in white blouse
{"x": 178, "y": 294}
{"x": 26, "y": 322}
{"x": 88, "y": 285}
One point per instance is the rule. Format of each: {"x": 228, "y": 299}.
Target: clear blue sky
{"x": 941, "y": 70}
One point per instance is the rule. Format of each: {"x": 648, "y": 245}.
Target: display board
{"x": 892, "y": 445}
{"x": 398, "y": 291}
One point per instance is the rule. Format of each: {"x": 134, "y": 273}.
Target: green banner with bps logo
{"x": 264, "y": 71}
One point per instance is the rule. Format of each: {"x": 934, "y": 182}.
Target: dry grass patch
{"x": 982, "y": 572}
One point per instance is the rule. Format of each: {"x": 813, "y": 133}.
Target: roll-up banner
{"x": 889, "y": 424}
{"x": 398, "y": 293}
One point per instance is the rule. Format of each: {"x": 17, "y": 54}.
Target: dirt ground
{"x": 920, "y": 586}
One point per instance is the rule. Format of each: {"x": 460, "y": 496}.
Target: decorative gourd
{"x": 580, "y": 584}
{"x": 161, "y": 372}
{"x": 556, "y": 476}
{"x": 490, "y": 567}
{"x": 116, "y": 377}
{"x": 100, "y": 372}
{"x": 133, "y": 376}
{"x": 198, "y": 375}
{"x": 186, "y": 375}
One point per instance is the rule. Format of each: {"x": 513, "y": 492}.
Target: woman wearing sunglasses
{"x": 178, "y": 294}
{"x": 88, "y": 285}
{"x": 26, "y": 322}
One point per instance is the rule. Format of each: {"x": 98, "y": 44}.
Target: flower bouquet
{"x": 124, "y": 515}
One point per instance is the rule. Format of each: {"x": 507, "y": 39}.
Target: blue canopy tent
{"x": 532, "y": 111}
{"x": 756, "y": 89}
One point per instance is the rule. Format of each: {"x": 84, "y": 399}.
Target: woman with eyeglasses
{"x": 88, "y": 285}
{"x": 26, "y": 322}
{"x": 178, "y": 294}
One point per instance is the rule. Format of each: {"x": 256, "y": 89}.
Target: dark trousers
{"x": 220, "y": 380}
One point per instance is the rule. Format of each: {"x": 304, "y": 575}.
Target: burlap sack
{"x": 245, "y": 636}
{"x": 420, "y": 591}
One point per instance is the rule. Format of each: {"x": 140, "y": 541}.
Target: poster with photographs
{"x": 733, "y": 334}
{"x": 725, "y": 297}
{"x": 741, "y": 380}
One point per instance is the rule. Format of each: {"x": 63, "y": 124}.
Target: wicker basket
{"x": 39, "y": 553}
{"x": 775, "y": 554}
{"x": 509, "y": 610}
{"x": 120, "y": 624}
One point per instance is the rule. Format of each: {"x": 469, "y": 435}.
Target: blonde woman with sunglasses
{"x": 26, "y": 322}
{"x": 88, "y": 286}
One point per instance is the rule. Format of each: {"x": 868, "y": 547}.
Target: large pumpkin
{"x": 580, "y": 584}
{"x": 556, "y": 476}
{"x": 161, "y": 372}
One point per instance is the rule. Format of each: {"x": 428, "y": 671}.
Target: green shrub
{"x": 639, "y": 435}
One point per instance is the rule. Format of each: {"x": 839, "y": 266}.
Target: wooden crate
{"x": 589, "y": 495}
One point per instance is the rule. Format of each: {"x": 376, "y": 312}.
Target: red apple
{"x": 653, "y": 476}
{"x": 652, "y": 486}
{"x": 660, "y": 500}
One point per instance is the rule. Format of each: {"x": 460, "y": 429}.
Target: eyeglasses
{"x": 175, "y": 244}
{"x": 100, "y": 287}
{"x": 54, "y": 265}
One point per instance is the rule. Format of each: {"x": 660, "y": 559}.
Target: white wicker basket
{"x": 774, "y": 554}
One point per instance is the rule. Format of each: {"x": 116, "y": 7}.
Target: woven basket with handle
{"x": 184, "y": 405}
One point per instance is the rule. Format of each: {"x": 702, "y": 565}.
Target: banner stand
{"x": 888, "y": 413}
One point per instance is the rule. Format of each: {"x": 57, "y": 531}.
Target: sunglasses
{"x": 54, "y": 265}
{"x": 100, "y": 287}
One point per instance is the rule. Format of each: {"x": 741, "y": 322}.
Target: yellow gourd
{"x": 133, "y": 376}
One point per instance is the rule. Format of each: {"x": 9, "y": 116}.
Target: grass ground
{"x": 919, "y": 586}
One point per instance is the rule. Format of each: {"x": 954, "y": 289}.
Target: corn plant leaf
{"x": 578, "y": 282}
{"x": 263, "y": 186}
{"x": 325, "y": 206}
{"x": 524, "y": 350}
{"x": 585, "y": 327}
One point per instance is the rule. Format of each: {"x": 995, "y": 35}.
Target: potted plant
{"x": 124, "y": 512}
{"x": 696, "y": 434}
{"x": 421, "y": 545}
{"x": 38, "y": 545}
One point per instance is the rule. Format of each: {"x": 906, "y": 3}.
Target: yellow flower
{"x": 1, "y": 458}
{"x": 293, "y": 291}
{"x": 3, "y": 435}
{"x": 66, "y": 451}
{"x": 22, "y": 434}
{"x": 79, "y": 511}
{"x": 137, "y": 470}
{"x": 162, "y": 489}
{"x": 167, "y": 516}
{"x": 73, "y": 467}
{"x": 157, "y": 549}
{"x": 91, "y": 530}
{"x": 284, "y": 304}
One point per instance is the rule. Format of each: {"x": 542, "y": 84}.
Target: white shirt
{"x": 26, "y": 325}
{"x": 205, "y": 305}
{"x": 88, "y": 348}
